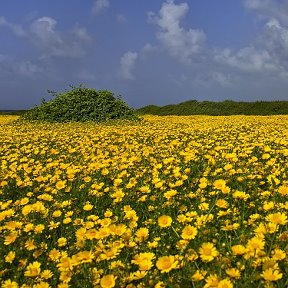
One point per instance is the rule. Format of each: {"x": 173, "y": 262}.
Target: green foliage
{"x": 12, "y": 112}
{"x": 227, "y": 107}
{"x": 81, "y": 104}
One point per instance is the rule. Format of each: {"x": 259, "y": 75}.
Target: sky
{"x": 148, "y": 51}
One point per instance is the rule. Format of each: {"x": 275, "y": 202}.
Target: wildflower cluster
{"x": 167, "y": 202}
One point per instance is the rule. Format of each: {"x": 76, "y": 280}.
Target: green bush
{"x": 81, "y": 104}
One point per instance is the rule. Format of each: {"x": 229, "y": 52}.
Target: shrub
{"x": 81, "y": 104}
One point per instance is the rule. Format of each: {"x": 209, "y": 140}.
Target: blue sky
{"x": 148, "y": 51}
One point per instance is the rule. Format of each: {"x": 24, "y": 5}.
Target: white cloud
{"x": 51, "y": 42}
{"x": 147, "y": 48}
{"x": 127, "y": 64}
{"x": 10, "y": 65}
{"x": 179, "y": 42}
{"x": 27, "y": 68}
{"x": 257, "y": 4}
{"x": 214, "y": 78}
{"x": 82, "y": 34}
{"x": 43, "y": 34}
{"x": 99, "y": 5}
{"x": 275, "y": 40}
{"x": 16, "y": 29}
{"x": 268, "y": 54}
{"x": 248, "y": 59}
{"x": 268, "y": 9}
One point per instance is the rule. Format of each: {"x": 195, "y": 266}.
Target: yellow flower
{"x": 60, "y": 185}
{"x": 57, "y": 213}
{"x": 88, "y": 206}
{"x": 107, "y": 281}
{"x": 233, "y": 273}
{"x": 189, "y": 232}
{"x": 46, "y": 274}
{"x": 144, "y": 261}
{"x": 169, "y": 194}
{"x": 219, "y": 184}
{"x": 10, "y": 257}
{"x": 278, "y": 254}
{"x": 211, "y": 281}
{"x": 283, "y": 190}
{"x": 221, "y": 203}
{"x": 41, "y": 284}
{"x": 160, "y": 284}
{"x": 268, "y": 205}
{"x": 9, "y": 284}
{"x": 33, "y": 269}
{"x": 166, "y": 263}
{"x": 39, "y": 228}
{"x": 277, "y": 218}
{"x": 10, "y": 238}
{"x": 255, "y": 245}
{"x": 54, "y": 255}
{"x": 225, "y": 283}
{"x": 62, "y": 241}
{"x": 84, "y": 256}
{"x": 141, "y": 234}
{"x": 30, "y": 245}
{"x": 208, "y": 252}
{"x": 65, "y": 264}
{"x": 271, "y": 274}
{"x": 164, "y": 221}
{"x": 240, "y": 195}
{"x": 198, "y": 275}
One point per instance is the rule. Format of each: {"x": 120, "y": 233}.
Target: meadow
{"x": 172, "y": 201}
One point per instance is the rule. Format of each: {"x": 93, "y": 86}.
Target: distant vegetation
{"x": 228, "y": 107}
{"x": 12, "y": 112}
{"x": 192, "y": 107}
{"x": 82, "y": 104}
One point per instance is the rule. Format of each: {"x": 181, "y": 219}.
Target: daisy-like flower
{"x": 46, "y": 274}
{"x": 278, "y": 254}
{"x": 211, "y": 281}
{"x": 164, "y": 221}
{"x": 271, "y": 274}
{"x": 225, "y": 283}
{"x": 88, "y": 206}
{"x": 144, "y": 261}
{"x": 238, "y": 249}
{"x": 208, "y": 252}
{"x": 167, "y": 263}
{"x": 283, "y": 190}
{"x": 141, "y": 234}
{"x": 10, "y": 257}
{"x": 9, "y": 284}
{"x": 189, "y": 232}
{"x": 233, "y": 273}
{"x": 10, "y": 238}
{"x": 277, "y": 218}
{"x": 219, "y": 184}
{"x": 33, "y": 269}
{"x": 198, "y": 275}
{"x": 107, "y": 281}
{"x": 62, "y": 241}
{"x": 60, "y": 185}
{"x": 255, "y": 245}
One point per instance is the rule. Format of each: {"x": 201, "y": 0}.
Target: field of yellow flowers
{"x": 194, "y": 201}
